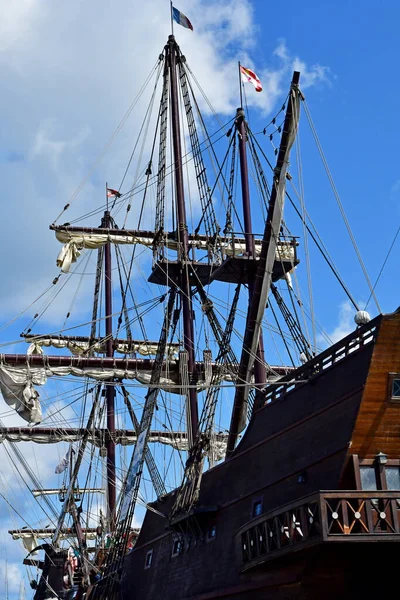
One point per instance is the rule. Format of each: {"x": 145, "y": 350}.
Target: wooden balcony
{"x": 320, "y": 518}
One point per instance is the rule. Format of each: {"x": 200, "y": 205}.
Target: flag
{"x": 251, "y": 77}
{"x": 111, "y": 193}
{"x": 181, "y": 19}
{"x": 64, "y": 463}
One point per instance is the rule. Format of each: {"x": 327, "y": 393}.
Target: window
{"x": 380, "y": 475}
{"x": 257, "y": 508}
{"x": 177, "y": 547}
{"x": 394, "y": 387}
{"x": 149, "y": 558}
{"x": 368, "y": 478}
{"x": 302, "y": 477}
{"x": 392, "y": 478}
{"x": 212, "y": 532}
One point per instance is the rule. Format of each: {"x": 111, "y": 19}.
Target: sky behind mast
{"x": 69, "y": 70}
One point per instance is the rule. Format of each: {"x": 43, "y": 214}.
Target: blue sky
{"x": 70, "y": 70}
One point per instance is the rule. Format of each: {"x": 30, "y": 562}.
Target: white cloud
{"x": 17, "y": 22}
{"x": 345, "y": 324}
{"x": 69, "y": 72}
{"x": 68, "y": 84}
{"x": 276, "y": 79}
{"x": 282, "y": 52}
{"x": 310, "y": 75}
{"x": 47, "y": 145}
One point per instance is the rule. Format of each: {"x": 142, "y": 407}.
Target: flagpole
{"x": 240, "y": 86}
{"x": 106, "y": 195}
{"x": 172, "y": 20}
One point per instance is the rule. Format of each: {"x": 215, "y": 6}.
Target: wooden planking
{"x": 307, "y": 430}
{"x": 377, "y": 427}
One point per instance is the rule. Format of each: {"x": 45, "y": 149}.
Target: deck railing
{"x": 354, "y": 342}
{"x": 319, "y": 518}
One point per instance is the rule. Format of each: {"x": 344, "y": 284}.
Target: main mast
{"x": 182, "y": 231}
{"x": 110, "y": 391}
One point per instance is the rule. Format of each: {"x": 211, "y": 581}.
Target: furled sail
{"x": 17, "y": 383}
{"x": 78, "y": 347}
{"x": 75, "y": 241}
{"x": 178, "y": 440}
{"x": 30, "y": 538}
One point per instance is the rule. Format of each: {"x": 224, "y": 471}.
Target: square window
{"x": 149, "y": 558}
{"x": 393, "y": 478}
{"x": 257, "y": 508}
{"x": 396, "y": 388}
{"x": 302, "y": 477}
{"x": 368, "y": 478}
{"x": 177, "y": 547}
{"x": 212, "y": 532}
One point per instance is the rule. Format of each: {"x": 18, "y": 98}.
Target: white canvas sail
{"x": 74, "y": 242}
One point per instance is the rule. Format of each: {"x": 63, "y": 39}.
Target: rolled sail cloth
{"x": 178, "y": 440}
{"x": 74, "y": 243}
{"x": 17, "y": 383}
{"x": 79, "y": 348}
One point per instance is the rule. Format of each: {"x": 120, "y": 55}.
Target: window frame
{"x": 211, "y": 527}
{"x": 256, "y": 501}
{"x": 147, "y": 562}
{"x": 380, "y": 470}
{"x": 390, "y": 398}
{"x": 391, "y": 463}
{"x": 177, "y": 551}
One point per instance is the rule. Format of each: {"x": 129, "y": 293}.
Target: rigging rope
{"x": 340, "y": 205}
{"x": 305, "y": 237}
{"x": 188, "y": 492}
{"x": 315, "y": 237}
{"x": 210, "y": 220}
{"x": 162, "y": 152}
{"x": 108, "y": 144}
{"x": 383, "y": 266}
{"x": 144, "y": 126}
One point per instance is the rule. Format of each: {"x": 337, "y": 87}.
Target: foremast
{"x": 260, "y": 372}
{"x": 263, "y": 275}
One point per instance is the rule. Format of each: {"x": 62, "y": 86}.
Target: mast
{"x": 185, "y": 289}
{"x": 244, "y": 175}
{"x": 260, "y": 373}
{"x": 263, "y": 277}
{"x": 110, "y": 391}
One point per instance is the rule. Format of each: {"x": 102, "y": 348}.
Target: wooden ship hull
{"x": 280, "y": 517}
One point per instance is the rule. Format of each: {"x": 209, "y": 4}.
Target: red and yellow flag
{"x": 251, "y": 77}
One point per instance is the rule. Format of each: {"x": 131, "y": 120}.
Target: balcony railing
{"x": 339, "y": 516}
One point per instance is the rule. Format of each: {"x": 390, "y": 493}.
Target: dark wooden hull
{"x": 301, "y": 442}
